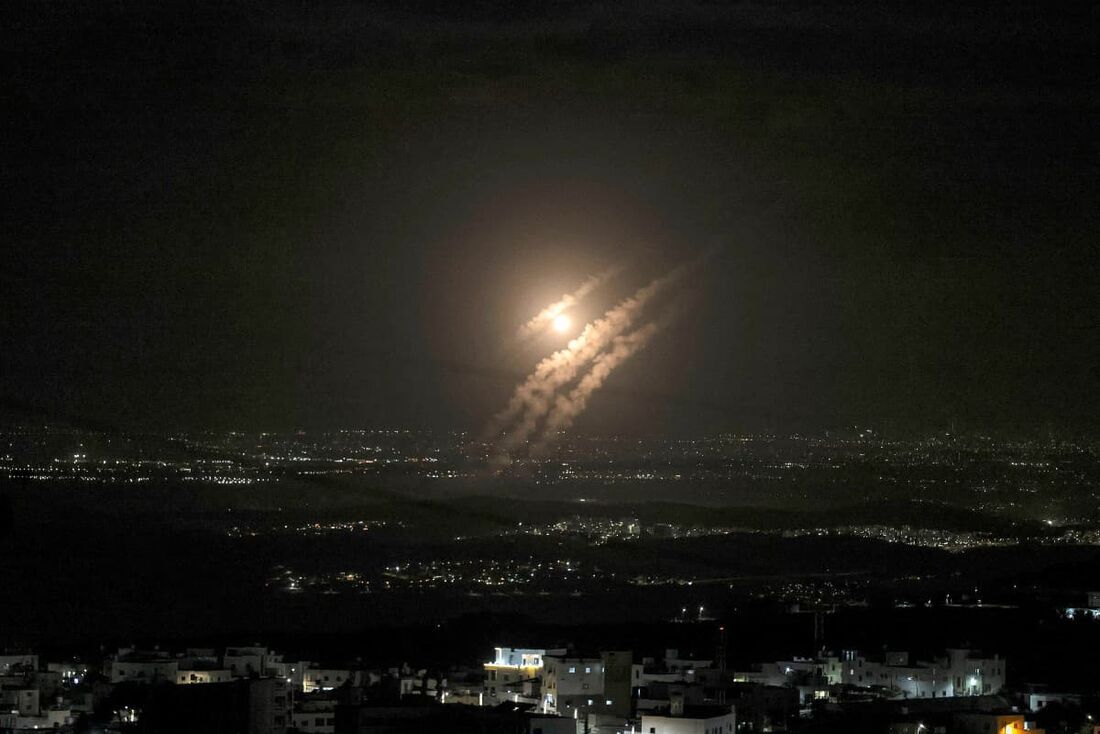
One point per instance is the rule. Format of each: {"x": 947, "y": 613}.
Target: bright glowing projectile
{"x": 551, "y": 315}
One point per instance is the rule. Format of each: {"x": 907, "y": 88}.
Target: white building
{"x": 960, "y": 672}
{"x": 143, "y": 668}
{"x": 186, "y": 676}
{"x": 17, "y": 663}
{"x": 682, "y": 719}
{"x": 657, "y": 684}
{"x": 315, "y": 717}
{"x": 291, "y": 672}
{"x": 246, "y": 662}
{"x": 22, "y": 700}
{"x": 512, "y": 674}
{"x": 53, "y": 718}
{"x": 572, "y": 683}
{"x": 1039, "y": 700}
{"x": 325, "y": 679}
{"x": 69, "y": 672}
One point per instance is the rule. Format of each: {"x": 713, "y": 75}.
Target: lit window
{"x": 572, "y": 669}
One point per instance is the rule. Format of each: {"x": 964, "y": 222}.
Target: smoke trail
{"x": 539, "y": 322}
{"x": 567, "y": 408}
{"x": 533, "y": 398}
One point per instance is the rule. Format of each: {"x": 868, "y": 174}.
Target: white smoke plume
{"x": 567, "y": 408}
{"x": 534, "y": 397}
{"x": 540, "y": 322}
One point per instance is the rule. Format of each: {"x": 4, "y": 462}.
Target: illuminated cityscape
{"x": 559, "y": 367}
{"x": 816, "y": 537}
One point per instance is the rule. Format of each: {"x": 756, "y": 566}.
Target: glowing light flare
{"x": 562, "y": 323}
{"x": 546, "y": 317}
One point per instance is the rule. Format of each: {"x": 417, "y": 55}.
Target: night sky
{"x": 238, "y": 215}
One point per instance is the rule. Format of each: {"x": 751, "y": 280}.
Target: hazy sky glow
{"x": 287, "y": 214}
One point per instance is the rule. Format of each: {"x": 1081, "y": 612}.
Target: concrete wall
{"x": 725, "y": 724}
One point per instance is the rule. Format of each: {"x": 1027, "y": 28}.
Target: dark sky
{"x": 323, "y": 214}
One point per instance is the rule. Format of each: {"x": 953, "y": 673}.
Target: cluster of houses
{"x": 959, "y": 672}
{"x": 252, "y": 690}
